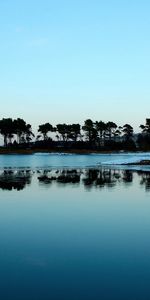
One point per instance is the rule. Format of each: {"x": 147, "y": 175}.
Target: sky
{"x": 70, "y": 60}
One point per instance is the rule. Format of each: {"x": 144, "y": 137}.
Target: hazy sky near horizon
{"x": 66, "y": 61}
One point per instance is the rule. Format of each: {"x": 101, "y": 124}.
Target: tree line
{"x": 93, "y": 134}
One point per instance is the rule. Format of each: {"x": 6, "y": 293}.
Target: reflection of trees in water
{"x": 12, "y": 179}
{"x": 90, "y": 177}
{"x": 98, "y": 178}
{"x": 145, "y": 179}
{"x": 101, "y": 178}
{"x": 60, "y": 176}
{"x": 127, "y": 176}
{"x": 68, "y": 176}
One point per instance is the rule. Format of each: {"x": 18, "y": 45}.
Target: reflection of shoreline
{"x": 88, "y": 177}
{"x": 14, "y": 179}
{"x": 98, "y": 178}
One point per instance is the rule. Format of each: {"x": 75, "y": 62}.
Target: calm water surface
{"x": 45, "y": 160}
{"x": 73, "y": 233}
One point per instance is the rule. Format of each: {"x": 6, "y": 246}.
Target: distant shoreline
{"x": 67, "y": 151}
{"x": 38, "y": 150}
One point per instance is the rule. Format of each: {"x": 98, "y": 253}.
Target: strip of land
{"x": 54, "y": 150}
{"x": 139, "y": 163}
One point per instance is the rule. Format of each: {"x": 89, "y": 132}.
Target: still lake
{"x": 74, "y": 227}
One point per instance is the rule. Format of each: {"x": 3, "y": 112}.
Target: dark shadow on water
{"x": 17, "y": 180}
{"x": 98, "y": 178}
{"x": 95, "y": 178}
{"x": 145, "y": 179}
{"x": 63, "y": 176}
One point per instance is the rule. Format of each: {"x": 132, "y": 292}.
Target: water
{"x": 73, "y": 232}
{"x": 45, "y": 160}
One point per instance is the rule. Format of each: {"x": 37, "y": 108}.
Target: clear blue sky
{"x": 69, "y": 60}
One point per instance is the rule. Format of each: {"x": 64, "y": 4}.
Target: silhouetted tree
{"x": 28, "y": 133}
{"x": 95, "y": 133}
{"x": 74, "y": 131}
{"x": 20, "y": 129}
{"x": 144, "y": 137}
{"x": 44, "y": 129}
{"x": 128, "y": 131}
{"x": 110, "y": 129}
{"x": 7, "y": 130}
{"x": 90, "y": 131}
{"x": 146, "y": 128}
{"x": 100, "y": 128}
{"x": 68, "y": 131}
{"x": 62, "y": 129}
